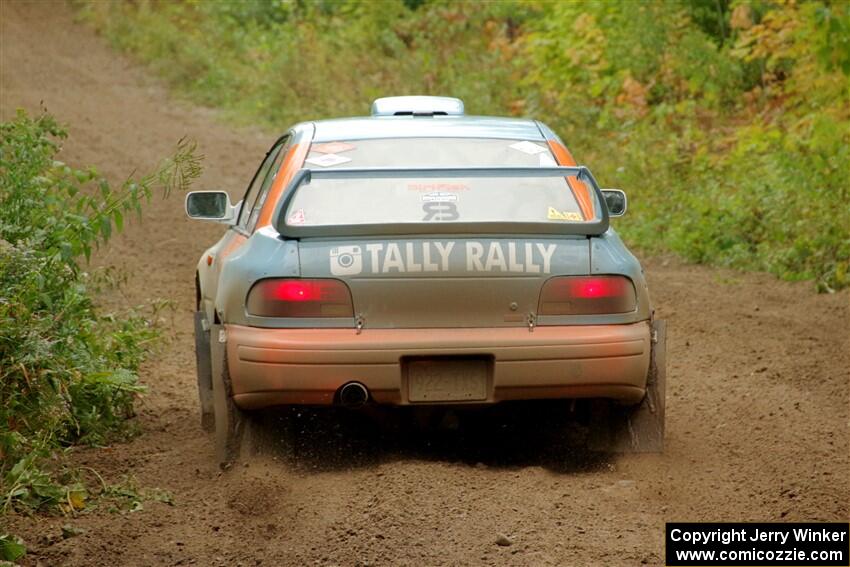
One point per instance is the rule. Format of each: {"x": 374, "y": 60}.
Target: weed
{"x": 67, "y": 371}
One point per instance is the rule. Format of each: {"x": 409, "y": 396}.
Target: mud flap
{"x": 204, "y": 368}
{"x": 637, "y": 429}
{"x": 230, "y": 421}
{"x": 644, "y": 426}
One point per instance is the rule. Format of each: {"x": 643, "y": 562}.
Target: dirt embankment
{"x": 757, "y": 402}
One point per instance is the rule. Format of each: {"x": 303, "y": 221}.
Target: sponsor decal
{"x": 439, "y": 197}
{"x": 327, "y": 160}
{"x": 346, "y": 260}
{"x": 555, "y": 214}
{"x": 529, "y": 148}
{"x": 332, "y": 147}
{"x": 443, "y": 256}
{"x": 547, "y": 161}
{"x": 423, "y": 187}
{"x": 296, "y": 218}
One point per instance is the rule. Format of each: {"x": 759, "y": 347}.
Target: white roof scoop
{"x": 417, "y": 106}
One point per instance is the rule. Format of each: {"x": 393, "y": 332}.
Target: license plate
{"x": 447, "y": 380}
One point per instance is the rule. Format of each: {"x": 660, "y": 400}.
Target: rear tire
{"x": 203, "y": 358}
{"x": 230, "y": 421}
{"x": 638, "y": 429}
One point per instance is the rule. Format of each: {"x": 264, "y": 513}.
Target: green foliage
{"x": 732, "y": 140}
{"x": 67, "y": 372}
{"x": 280, "y": 62}
{"x": 11, "y": 548}
{"x": 127, "y": 497}
{"x": 725, "y": 120}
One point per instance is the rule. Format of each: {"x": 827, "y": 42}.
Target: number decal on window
{"x": 440, "y": 212}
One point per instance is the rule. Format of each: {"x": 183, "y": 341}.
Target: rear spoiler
{"x": 305, "y": 176}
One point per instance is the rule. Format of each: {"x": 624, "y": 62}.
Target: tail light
{"x": 300, "y": 298}
{"x": 587, "y": 295}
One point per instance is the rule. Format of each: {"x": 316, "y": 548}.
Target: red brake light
{"x": 300, "y": 298}
{"x": 594, "y": 288}
{"x": 587, "y": 295}
{"x": 291, "y": 291}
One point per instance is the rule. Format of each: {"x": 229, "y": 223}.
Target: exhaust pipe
{"x": 353, "y": 394}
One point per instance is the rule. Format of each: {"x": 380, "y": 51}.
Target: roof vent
{"x": 417, "y": 106}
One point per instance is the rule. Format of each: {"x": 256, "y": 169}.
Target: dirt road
{"x": 757, "y": 402}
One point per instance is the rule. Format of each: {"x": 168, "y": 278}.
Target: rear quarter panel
{"x": 209, "y": 270}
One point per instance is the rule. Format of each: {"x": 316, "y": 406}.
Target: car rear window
{"x": 407, "y": 199}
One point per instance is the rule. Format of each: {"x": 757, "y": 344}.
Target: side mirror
{"x": 616, "y": 201}
{"x": 211, "y": 205}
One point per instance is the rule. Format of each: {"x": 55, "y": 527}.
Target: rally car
{"x": 421, "y": 257}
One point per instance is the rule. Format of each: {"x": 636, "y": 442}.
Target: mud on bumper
{"x": 271, "y": 367}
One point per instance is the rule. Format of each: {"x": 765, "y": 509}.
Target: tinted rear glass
{"x": 325, "y": 202}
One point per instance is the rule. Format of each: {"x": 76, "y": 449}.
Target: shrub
{"x": 728, "y": 126}
{"x": 67, "y": 371}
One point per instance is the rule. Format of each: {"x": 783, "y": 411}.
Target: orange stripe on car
{"x": 579, "y": 189}
{"x": 291, "y": 164}
{"x": 236, "y": 241}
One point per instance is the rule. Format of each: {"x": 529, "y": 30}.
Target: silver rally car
{"x": 419, "y": 256}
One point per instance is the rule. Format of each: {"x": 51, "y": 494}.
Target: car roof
{"x": 373, "y": 127}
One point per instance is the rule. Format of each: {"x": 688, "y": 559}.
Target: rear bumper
{"x": 307, "y": 366}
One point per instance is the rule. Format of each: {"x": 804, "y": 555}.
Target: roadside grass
{"x": 726, "y": 121}
{"x": 68, "y": 372}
